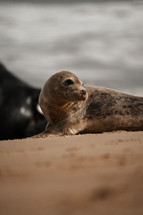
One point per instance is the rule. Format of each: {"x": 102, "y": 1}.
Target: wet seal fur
{"x": 71, "y": 108}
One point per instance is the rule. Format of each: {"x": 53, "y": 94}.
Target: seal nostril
{"x": 83, "y": 92}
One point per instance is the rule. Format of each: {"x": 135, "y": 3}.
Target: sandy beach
{"x": 79, "y": 175}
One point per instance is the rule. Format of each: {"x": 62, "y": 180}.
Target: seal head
{"x": 59, "y": 93}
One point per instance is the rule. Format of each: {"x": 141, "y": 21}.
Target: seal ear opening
{"x": 68, "y": 82}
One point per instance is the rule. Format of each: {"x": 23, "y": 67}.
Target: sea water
{"x": 100, "y": 42}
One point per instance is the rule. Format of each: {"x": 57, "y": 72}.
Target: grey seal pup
{"x": 71, "y": 108}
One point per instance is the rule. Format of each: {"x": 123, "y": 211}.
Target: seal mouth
{"x": 83, "y": 98}
{"x": 77, "y": 96}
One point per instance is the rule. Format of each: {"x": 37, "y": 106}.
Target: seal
{"x": 19, "y": 113}
{"x": 71, "y": 108}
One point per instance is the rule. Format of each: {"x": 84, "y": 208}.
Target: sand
{"x": 76, "y": 175}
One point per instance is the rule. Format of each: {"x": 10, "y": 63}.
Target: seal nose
{"x": 83, "y": 92}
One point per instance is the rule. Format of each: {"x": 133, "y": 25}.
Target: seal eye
{"x": 68, "y": 82}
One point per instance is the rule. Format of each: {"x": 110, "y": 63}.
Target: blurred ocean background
{"x": 99, "y": 41}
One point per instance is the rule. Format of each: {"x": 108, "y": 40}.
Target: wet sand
{"x": 79, "y": 175}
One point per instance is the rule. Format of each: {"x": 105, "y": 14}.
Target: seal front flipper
{"x": 57, "y": 130}
{"x": 60, "y": 129}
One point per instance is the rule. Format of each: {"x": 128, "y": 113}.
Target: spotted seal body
{"x": 71, "y": 108}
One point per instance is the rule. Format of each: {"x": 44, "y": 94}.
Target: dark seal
{"x": 71, "y": 108}
{"x": 19, "y": 114}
